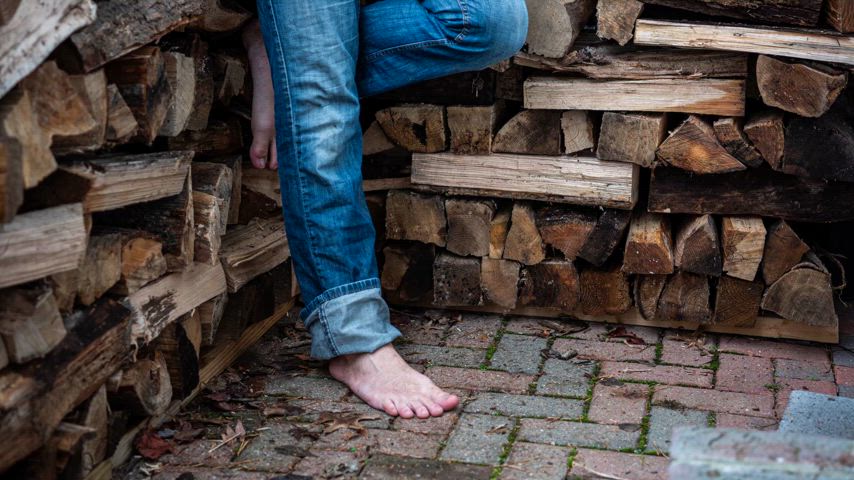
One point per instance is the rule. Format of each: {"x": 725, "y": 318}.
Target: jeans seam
{"x": 464, "y": 8}
{"x": 325, "y": 322}
{"x": 400, "y": 48}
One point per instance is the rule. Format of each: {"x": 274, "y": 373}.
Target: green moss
{"x": 511, "y": 438}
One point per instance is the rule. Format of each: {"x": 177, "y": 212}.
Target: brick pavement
{"x": 539, "y": 402}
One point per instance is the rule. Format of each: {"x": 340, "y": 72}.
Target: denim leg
{"x": 313, "y": 48}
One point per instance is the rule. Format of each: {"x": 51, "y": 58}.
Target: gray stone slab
{"x": 385, "y": 467}
{"x": 843, "y": 357}
{"x": 478, "y": 439}
{"x": 565, "y": 377}
{"x": 663, "y": 420}
{"x": 819, "y": 414}
{"x": 305, "y": 387}
{"x": 445, "y": 356}
{"x": 519, "y": 354}
{"x": 798, "y": 369}
{"x": 612, "y": 437}
{"x": 277, "y": 449}
{"x": 525, "y": 406}
{"x": 846, "y": 391}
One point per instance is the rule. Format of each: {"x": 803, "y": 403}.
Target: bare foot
{"x": 262, "y": 153}
{"x": 386, "y": 382}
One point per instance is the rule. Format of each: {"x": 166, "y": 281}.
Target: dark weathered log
{"x": 685, "y": 299}
{"x": 649, "y": 248}
{"x": 145, "y": 388}
{"x": 467, "y": 88}
{"x": 765, "y": 130}
{"x": 230, "y": 74}
{"x": 737, "y": 302}
{"x": 408, "y": 271}
{"x": 179, "y": 343}
{"x": 210, "y": 316}
{"x": 101, "y": 267}
{"x": 212, "y": 184}
{"x": 783, "y": 250}
{"x": 840, "y": 14}
{"x": 500, "y": 282}
{"x": 218, "y": 138}
{"x": 456, "y": 281}
{"x": 472, "y": 128}
{"x": 822, "y": 147}
{"x": 554, "y": 25}
{"x": 803, "y": 295}
{"x": 698, "y": 249}
{"x": 790, "y": 12}
{"x": 606, "y": 236}
{"x": 550, "y": 284}
{"x": 694, "y": 147}
{"x": 235, "y": 165}
{"x": 414, "y": 216}
{"x": 631, "y": 137}
{"x": 535, "y": 132}
{"x": 193, "y": 46}
{"x": 615, "y": 19}
{"x": 605, "y": 291}
{"x": 417, "y": 128}
{"x": 11, "y": 178}
{"x": 647, "y": 291}
{"x": 469, "y": 225}
{"x": 731, "y": 135}
{"x": 577, "y": 126}
{"x": 142, "y": 81}
{"x": 808, "y": 90}
{"x": 524, "y": 243}
{"x": 565, "y": 229}
{"x": 30, "y": 323}
{"x": 250, "y": 250}
{"x": 743, "y": 241}
{"x": 142, "y": 263}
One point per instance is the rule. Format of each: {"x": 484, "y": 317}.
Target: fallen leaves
{"x": 628, "y": 337}
{"x": 349, "y": 421}
{"x": 151, "y": 446}
{"x": 230, "y": 435}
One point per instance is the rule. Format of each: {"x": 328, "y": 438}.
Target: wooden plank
{"x": 794, "y": 12}
{"x": 822, "y": 46}
{"x": 709, "y": 96}
{"x": 578, "y": 180}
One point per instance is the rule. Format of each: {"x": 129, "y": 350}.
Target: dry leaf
{"x": 151, "y": 446}
{"x": 350, "y": 421}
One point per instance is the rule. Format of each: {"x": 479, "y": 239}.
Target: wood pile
{"x": 130, "y": 272}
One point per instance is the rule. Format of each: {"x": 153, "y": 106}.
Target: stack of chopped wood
{"x": 131, "y": 272}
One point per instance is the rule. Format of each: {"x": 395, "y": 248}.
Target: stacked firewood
{"x": 131, "y": 272}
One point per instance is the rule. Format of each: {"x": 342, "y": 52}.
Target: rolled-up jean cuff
{"x": 349, "y": 319}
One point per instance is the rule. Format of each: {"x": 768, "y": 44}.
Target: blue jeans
{"x": 324, "y": 55}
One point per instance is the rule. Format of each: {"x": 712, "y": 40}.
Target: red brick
{"x": 593, "y": 464}
{"x": 604, "y": 350}
{"x": 528, "y": 326}
{"x": 439, "y": 426}
{"x": 327, "y": 464}
{"x": 728, "y": 420}
{"x": 599, "y": 332}
{"x": 484, "y": 380}
{"x": 787, "y": 385}
{"x": 406, "y": 444}
{"x": 182, "y": 472}
{"x": 474, "y": 331}
{"x": 758, "y": 405}
{"x": 681, "y": 352}
{"x": 670, "y": 375}
{"x": 531, "y": 460}
{"x": 618, "y": 404}
{"x": 741, "y": 373}
{"x": 844, "y": 375}
{"x": 772, "y": 349}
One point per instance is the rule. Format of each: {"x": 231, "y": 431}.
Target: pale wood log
{"x": 604, "y": 291}
{"x": 250, "y": 250}
{"x": 216, "y": 179}
{"x": 30, "y": 323}
{"x": 500, "y": 282}
{"x": 142, "y": 80}
{"x": 375, "y": 141}
{"x": 578, "y": 180}
{"x": 534, "y": 132}
{"x": 218, "y": 138}
{"x": 631, "y": 137}
{"x": 416, "y": 128}
{"x": 783, "y": 250}
{"x": 414, "y": 216}
{"x": 524, "y": 243}
{"x": 64, "y": 287}
{"x": 743, "y": 241}
{"x": 181, "y": 75}
{"x": 698, "y": 248}
{"x": 192, "y": 45}
{"x": 649, "y": 248}
{"x": 694, "y": 147}
{"x": 42, "y": 243}
{"x": 142, "y": 263}
{"x": 469, "y": 225}
{"x": 765, "y": 130}
{"x": 685, "y": 298}
{"x": 703, "y": 96}
{"x": 232, "y": 194}
{"x": 551, "y": 284}
{"x": 94, "y": 414}
{"x": 121, "y": 124}
{"x": 472, "y": 128}
{"x": 807, "y": 90}
{"x": 804, "y": 295}
{"x": 647, "y": 291}
{"x": 11, "y": 177}
{"x": 730, "y": 133}
{"x": 221, "y": 16}
{"x": 210, "y": 316}
{"x": 34, "y": 31}
{"x": 408, "y": 271}
{"x": 145, "y": 388}
{"x": 606, "y": 236}
{"x": 456, "y": 281}
{"x": 840, "y": 14}
{"x": 499, "y": 227}
{"x": 577, "y": 127}
{"x": 615, "y": 19}
{"x": 28, "y": 149}
{"x": 553, "y": 25}
{"x": 178, "y": 344}
{"x": 737, "y": 302}
{"x": 101, "y": 267}
{"x": 230, "y": 73}
{"x": 792, "y": 12}
{"x": 565, "y": 229}
{"x": 91, "y": 88}
{"x": 208, "y": 227}
{"x": 822, "y": 148}
{"x": 820, "y": 46}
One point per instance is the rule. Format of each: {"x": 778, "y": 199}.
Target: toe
{"x": 404, "y": 411}
{"x": 435, "y": 409}
{"x": 389, "y": 408}
{"x": 421, "y": 410}
{"x": 446, "y": 400}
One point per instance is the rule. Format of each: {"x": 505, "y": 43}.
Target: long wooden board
{"x": 824, "y": 46}
{"x": 708, "y": 96}
{"x": 576, "y": 180}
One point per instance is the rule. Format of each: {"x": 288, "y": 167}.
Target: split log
{"x": 230, "y": 73}
{"x": 212, "y": 185}
{"x": 260, "y": 195}
{"x": 101, "y": 267}
{"x": 123, "y": 27}
{"x": 743, "y": 243}
{"x": 179, "y": 344}
{"x": 121, "y": 124}
{"x": 142, "y": 81}
{"x": 807, "y": 90}
{"x": 469, "y": 225}
{"x": 737, "y": 302}
{"x": 615, "y": 19}
{"x": 524, "y": 243}
{"x": 142, "y": 263}
{"x": 649, "y": 248}
{"x": 91, "y": 88}
{"x": 555, "y": 24}
{"x": 416, "y": 128}
{"x": 233, "y": 194}
{"x": 181, "y": 77}
{"x": 42, "y": 243}
{"x": 375, "y": 141}
{"x": 498, "y": 230}
{"x": 576, "y": 180}
{"x": 221, "y": 16}
{"x": 800, "y": 12}
{"x": 159, "y": 304}
{"x": 840, "y": 14}
{"x": 210, "y": 316}
{"x": 500, "y": 282}
{"x": 577, "y": 129}
{"x": 751, "y": 192}
{"x": 34, "y": 31}
{"x": 250, "y": 250}
{"x": 783, "y": 250}
{"x": 822, "y": 148}
{"x": 803, "y": 295}
{"x": 631, "y": 137}
{"x": 647, "y": 292}
{"x": 408, "y": 271}
{"x": 30, "y": 323}
{"x": 94, "y": 414}
{"x": 550, "y": 284}
{"x": 145, "y": 388}
{"x": 565, "y": 229}
{"x": 704, "y": 96}
{"x": 694, "y": 147}
{"x": 730, "y": 133}
{"x": 472, "y": 128}
{"x": 64, "y": 287}
{"x": 605, "y": 292}
{"x": 11, "y": 178}
{"x": 414, "y": 216}
{"x": 194, "y": 47}
{"x": 765, "y": 130}
{"x": 606, "y": 236}
{"x": 28, "y": 144}
{"x": 814, "y": 45}
{"x": 685, "y": 298}
{"x": 534, "y": 132}
{"x": 698, "y": 249}
{"x": 219, "y": 138}
{"x": 56, "y": 456}
{"x": 456, "y": 281}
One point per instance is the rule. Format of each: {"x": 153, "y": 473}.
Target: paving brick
{"x": 525, "y": 406}
{"x": 728, "y": 420}
{"x": 184, "y": 472}
{"x": 663, "y": 420}
{"x": 535, "y": 461}
{"x": 788, "y": 385}
{"x": 418, "y": 329}
{"x": 812, "y": 413}
{"x": 192, "y": 453}
{"x": 681, "y": 352}
{"x": 603, "y": 350}
{"x": 618, "y": 403}
{"x": 773, "y": 349}
{"x": 313, "y": 408}
{"x": 843, "y": 357}
{"x": 577, "y": 434}
{"x": 741, "y": 373}
{"x": 565, "y": 377}
{"x": 803, "y": 369}
{"x": 405, "y": 444}
{"x": 600, "y": 331}
{"x": 473, "y": 331}
{"x": 595, "y": 464}
{"x": 528, "y": 326}
{"x": 305, "y": 387}
{"x": 447, "y": 356}
{"x": 666, "y": 374}
{"x": 757, "y": 405}
{"x": 327, "y": 464}
{"x": 277, "y": 448}
{"x": 346, "y": 440}
{"x": 484, "y": 380}
{"x": 384, "y": 467}
{"x": 435, "y": 425}
{"x": 844, "y": 375}
{"x": 519, "y": 354}
{"x": 478, "y": 439}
